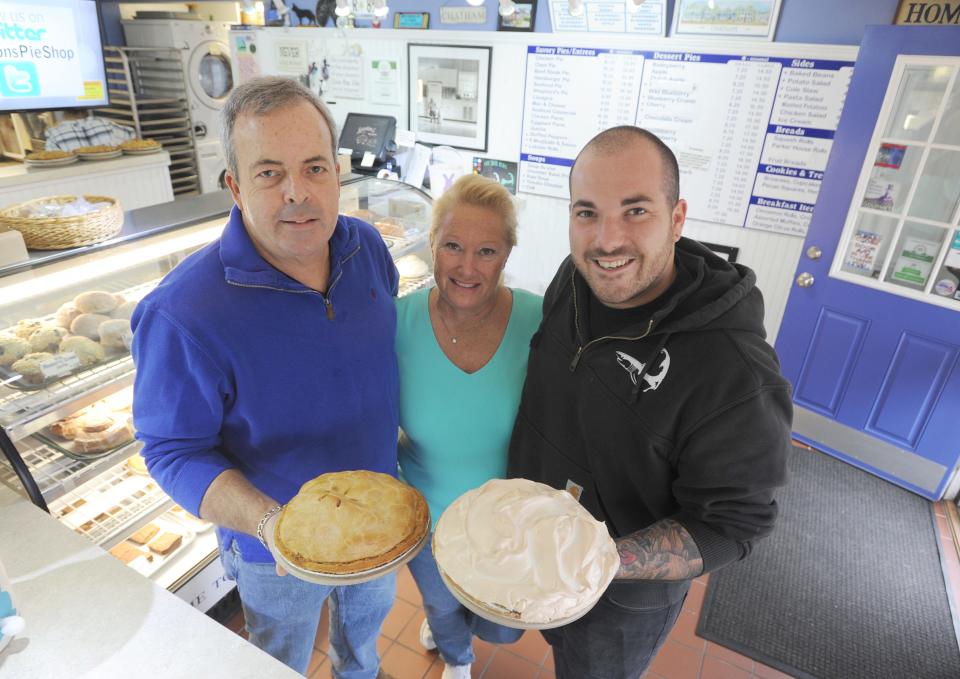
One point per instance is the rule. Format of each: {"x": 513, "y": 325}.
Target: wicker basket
{"x": 58, "y": 233}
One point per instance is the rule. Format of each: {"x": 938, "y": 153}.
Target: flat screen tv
{"x": 51, "y": 56}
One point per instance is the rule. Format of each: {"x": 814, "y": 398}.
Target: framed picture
{"x": 522, "y": 19}
{"x": 411, "y": 19}
{"x": 504, "y": 172}
{"x": 448, "y": 94}
{"x": 726, "y": 18}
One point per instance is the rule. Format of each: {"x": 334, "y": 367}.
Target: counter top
{"x": 88, "y": 615}
{"x": 140, "y": 223}
{"x": 13, "y": 175}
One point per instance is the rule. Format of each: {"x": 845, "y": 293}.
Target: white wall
{"x": 543, "y": 221}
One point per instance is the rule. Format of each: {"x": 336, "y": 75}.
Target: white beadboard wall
{"x": 543, "y": 241}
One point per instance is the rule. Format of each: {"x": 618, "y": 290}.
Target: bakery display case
{"x": 66, "y": 379}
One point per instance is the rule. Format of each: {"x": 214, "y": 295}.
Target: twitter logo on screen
{"x": 18, "y": 79}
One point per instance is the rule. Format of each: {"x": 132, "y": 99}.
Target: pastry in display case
{"x": 66, "y": 376}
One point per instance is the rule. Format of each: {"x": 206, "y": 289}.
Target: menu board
{"x": 751, "y": 133}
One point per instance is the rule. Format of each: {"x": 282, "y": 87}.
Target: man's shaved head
{"x": 615, "y": 139}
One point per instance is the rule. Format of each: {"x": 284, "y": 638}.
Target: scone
{"x": 124, "y": 310}
{"x": 351, "y": 521}
{"x": 115, "y": 333}
{"x": 47, "y": 339}
{"x": 29, "y": 366}
{"x": 95, "y": 302}
{"x": 12, "y": 349}
{"x": 66, "y": 313}
{"x": 88, "y": 325}
{"x": 86, "y": 350}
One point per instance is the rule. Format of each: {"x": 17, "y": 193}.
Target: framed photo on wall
{"x": 726, "y": 18}
{"x": 522, "y": 18}
{"x": 449, "y": 94}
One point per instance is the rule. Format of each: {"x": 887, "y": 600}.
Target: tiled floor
{"x": 684, "y": 656}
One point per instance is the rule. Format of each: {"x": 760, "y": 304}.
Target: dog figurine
{"x": 304, "y": 14}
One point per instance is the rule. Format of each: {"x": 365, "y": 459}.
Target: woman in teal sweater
{"x": 462, "y": 349}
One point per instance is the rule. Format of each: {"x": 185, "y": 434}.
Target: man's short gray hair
{"x": 259, "y": 97}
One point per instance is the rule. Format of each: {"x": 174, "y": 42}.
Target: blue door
{"x": 870, "y": 338}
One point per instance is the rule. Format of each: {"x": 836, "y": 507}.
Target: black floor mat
{"x": 848, "y": 586}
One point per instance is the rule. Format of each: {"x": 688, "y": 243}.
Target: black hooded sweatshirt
{"x": 683, "y": 416}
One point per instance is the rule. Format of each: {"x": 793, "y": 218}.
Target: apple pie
{"x": 352, "y": 521}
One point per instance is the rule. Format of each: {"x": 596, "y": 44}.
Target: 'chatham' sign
{"x": 912, "y": 13}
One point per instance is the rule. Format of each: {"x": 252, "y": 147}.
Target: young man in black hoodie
{"x": 651, "y": 395}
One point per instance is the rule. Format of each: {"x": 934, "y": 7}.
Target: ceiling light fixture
{"x": 343, "y": 9}
{"x": 380, "y": 8}
{"x": 475, "y": 3}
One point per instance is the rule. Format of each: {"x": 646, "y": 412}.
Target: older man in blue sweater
{"x": 266, "y": 359}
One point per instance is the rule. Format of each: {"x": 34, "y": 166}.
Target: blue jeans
{"x": 453, "y": 626}
{"x": 612, "y": 641}
{"x": 283, "y": 613}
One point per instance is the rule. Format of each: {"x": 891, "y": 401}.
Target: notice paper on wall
{"x": 346, "y": 77}
{"x": 611, "y": 16}
{"x": 751, "y": 133}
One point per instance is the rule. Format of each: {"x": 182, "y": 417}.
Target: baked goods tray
{"x": 71, "y": 449}
{"x": 142, "y": 557}
{"x": 351, "y": 578}
{"x": 65, "y": 365}
{"x": 55, "y": 473}
{"x": 57, "y": 368}
{"x": 109, "y": 504}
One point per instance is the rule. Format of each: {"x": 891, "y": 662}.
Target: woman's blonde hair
{"x": 472, "y": 189}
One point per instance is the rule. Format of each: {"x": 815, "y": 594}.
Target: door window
{"x": 902, "y": 233}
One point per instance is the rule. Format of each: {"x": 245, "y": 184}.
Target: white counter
{"x": 136, "y": 181}
{"x": 88, "y": 615}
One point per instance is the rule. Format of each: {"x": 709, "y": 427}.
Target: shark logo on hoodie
{"x": 635, "y": 368}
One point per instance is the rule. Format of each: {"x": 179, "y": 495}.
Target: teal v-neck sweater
{"x": 458, "y": 425}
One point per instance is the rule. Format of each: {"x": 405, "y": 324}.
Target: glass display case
{"x": 66, "y": 377}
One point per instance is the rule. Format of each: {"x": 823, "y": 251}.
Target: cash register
{"x": 366, "y": 133}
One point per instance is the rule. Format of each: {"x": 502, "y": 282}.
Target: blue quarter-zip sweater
{"x": 241, "y": 367}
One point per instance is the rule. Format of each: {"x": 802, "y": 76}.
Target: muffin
{"x": 12, "y": 349}
{"x": 115, "y": 333}
{"x": 86, "y": 350}
{"x": 66, "y": 313}
{"x": 29, "y": 366}
{"x": 47, "y": 339}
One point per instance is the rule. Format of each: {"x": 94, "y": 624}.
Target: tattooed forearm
{"x": 663, "y": 551}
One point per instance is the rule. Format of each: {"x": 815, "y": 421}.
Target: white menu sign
{"x": 751, "y": 133}
{"x": 572, "y": 93}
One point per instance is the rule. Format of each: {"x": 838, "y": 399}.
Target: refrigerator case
{"x": 101, "y": 489}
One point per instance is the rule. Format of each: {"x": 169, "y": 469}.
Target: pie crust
{"x": 352, "y": 521}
